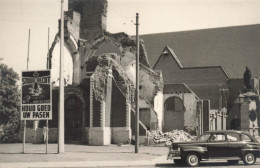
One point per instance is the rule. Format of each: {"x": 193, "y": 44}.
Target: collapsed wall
{"x": 111, "y": 93}
{"x": 128, "y": 43}
{"x": 101, "y": 65}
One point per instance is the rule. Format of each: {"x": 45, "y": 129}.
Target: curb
{"x": 161, "y": 159}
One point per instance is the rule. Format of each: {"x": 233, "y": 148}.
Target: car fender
{"x": 198, "y": 149}
{"x": 251, "y": 148}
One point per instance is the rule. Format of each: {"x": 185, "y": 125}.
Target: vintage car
{"x": 222, "y": 144}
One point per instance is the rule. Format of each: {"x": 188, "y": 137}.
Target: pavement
{"x": 80, "y": 156}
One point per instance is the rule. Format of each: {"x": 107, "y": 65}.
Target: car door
{"x": 235, "y": 144}
{"x": 217, "y": 145}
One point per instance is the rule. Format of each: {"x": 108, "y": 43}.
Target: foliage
{"x": 9, "y": 100}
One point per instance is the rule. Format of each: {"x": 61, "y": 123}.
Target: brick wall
{"x": 187, "y": 119}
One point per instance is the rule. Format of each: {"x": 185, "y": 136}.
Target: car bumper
{"x": 173, "y": 154}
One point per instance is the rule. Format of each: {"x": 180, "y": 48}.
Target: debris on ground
{"x": 159, "y": 137}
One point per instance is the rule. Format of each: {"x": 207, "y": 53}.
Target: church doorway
{"x": 173, "y": 114}
{"x": 73, "y": 119}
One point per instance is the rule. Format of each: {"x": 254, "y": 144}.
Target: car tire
{"x": 249, "y": 158}
{"x": 192, "y": 160}
{"x": 233, "y": 162}
{"x": 179, "y": 162}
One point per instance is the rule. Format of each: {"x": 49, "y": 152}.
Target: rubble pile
{"x": 169, "y": 137}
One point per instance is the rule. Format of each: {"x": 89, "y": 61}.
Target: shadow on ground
{"x": 204, "y": 164}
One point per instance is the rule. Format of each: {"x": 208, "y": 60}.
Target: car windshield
{"x": 203, "y": 137}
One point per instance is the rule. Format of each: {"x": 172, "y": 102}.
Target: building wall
{"x": 107, "y": 46}
{"x": 188, "y": 120}
{"x": 173, "y": 114}
{"x": 173, "y": 73}
{"x": 92, "y": 12}
{"x": 205, "y": 82}
{"x": 145, "y": 117}
{"x": 150, "y": 82}
{"x": 233, "y": 115}
{"x": 234, "y": 85}
{"x": 206, "y": 113}
{"x": 142, "y": 128}
{"x": 158, "y": 107}
{"x": 154, "y": 120}
{"x": 37, "y": 135}
{"x": 245, "y": 116}
{"x": 149, "y": 118}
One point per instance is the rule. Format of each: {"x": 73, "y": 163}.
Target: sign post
{"x": 36, "y": 96}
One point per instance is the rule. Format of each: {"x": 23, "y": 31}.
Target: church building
{"x": 100, "y": 81}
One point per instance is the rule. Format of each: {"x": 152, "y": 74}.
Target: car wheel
{"x": 233, "y": 162}
{"x": 178, "y": 161}
{"x": 192, "y": 160}
{"x": 249, "y": 158}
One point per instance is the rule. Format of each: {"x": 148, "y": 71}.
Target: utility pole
{"x": 137, "y": 86}
{"x": 48, "y": 67}
{"x": 24, "y": 124}
{"x": 48, "y": 56}
{"x": 61, "y": 98}
{"x": 28, "y": 54}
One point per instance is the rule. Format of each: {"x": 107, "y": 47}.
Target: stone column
{"x": 77, "y": 63}
{"x": 214, "y": 121}
{"x": 128, "y": 115}
{"x": 158, "y": 107}
{"x": 200, "y": 117}
{"x": 224, "y": 115}
{"x": 219, "y": 120}
{"x": 87, "y": 129}
{"x": 100, "y": 135}
{"x": 91, "y": 101}
{"x": 244, "y": 123}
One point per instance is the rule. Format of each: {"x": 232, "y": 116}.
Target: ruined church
{"x": 100, "y": 79}
{"x": 100, "y": 85}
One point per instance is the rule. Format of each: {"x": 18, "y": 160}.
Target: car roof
{"x": 232, "y": 131}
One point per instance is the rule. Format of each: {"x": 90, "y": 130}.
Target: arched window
{"x": 173, "y": 114}
{"x": 174, "y": 104}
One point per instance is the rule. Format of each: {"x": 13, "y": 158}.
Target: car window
{"x": 233, "y": 137}
{"x": 217, "y": 137}
{"x": 203, "y": 137}
{"x": 245, "y": 137}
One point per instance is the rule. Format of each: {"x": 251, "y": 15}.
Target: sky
{"x": 155, "y": 16}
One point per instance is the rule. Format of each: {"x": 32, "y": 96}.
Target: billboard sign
{"x": 36, "y": 95}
